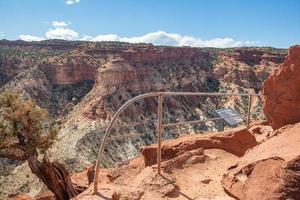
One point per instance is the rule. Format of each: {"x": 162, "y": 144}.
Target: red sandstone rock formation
{"x": 269, "y": 170}
{"x": 152, "y": 56}
{"x": 192, "y": 168}
{"x": 282, "y": 92}
{"x": 236, "y": 142}
{"x": 254, "y": 56}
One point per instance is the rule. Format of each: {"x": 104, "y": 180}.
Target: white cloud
{"x": 70, "y": 2}
{"x": 173, "y": 39}
{"x": 108, "y": 37}
{"x": 61, "y": 33}
{"x": 1, "y": 34}
{"x": 59, "y": 23}
{"x": 30, "y": 38}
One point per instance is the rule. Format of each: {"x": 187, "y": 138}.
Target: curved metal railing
{"x": 160, "y": 125}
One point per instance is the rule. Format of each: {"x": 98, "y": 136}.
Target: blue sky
{"x": 217, "y": 23}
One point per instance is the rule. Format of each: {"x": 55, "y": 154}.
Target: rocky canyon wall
{"x": 269, "y": 170}
{"x": 282, "y": 92}
{"x": 69, "y": 74}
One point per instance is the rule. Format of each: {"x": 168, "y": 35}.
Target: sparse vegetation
{"x": 25, "y": 132}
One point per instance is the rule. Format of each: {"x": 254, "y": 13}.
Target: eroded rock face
{"x": 150, "y": 55}
{"x": 191, "y": 172}
{"x": 253, "y": 56}
{"x": 236, "y": 142}
{"x": 269, "y": 170}
{"x": 69, "y": 74}
{"x": 282, "y": 92}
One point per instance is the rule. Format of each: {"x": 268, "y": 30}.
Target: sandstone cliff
{"x": 271, "y": 169}
{"x": 281, "y": 92}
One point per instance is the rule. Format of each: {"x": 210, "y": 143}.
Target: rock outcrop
{"x": 282, "y": 92}
{"x": 269, "y": 170}
{"x": 192, "y": 169}
{"x": 254, "y": 56}
{"x": 236, "y": 142}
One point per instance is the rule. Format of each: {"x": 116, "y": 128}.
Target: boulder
{"x": 281, "y": 92}
{"x": 268, "y": 171}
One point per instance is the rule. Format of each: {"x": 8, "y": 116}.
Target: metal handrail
{"x": 160, "y": 125}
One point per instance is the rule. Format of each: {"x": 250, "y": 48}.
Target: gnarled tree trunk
{"x": 55, "y": 177}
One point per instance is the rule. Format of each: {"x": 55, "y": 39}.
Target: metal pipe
{"x": 159, "y": 132}
{"x": 101, "y": 149}
{"x": 205, "y": 94}
{"x": 191, "y": 122}
{"x": 249, "y": 111}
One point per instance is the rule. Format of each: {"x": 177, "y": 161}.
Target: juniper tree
{"x": 25, "y": 133}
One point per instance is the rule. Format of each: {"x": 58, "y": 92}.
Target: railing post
{"x": 249, "y": 111}
{"x": 159, "y": 132}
